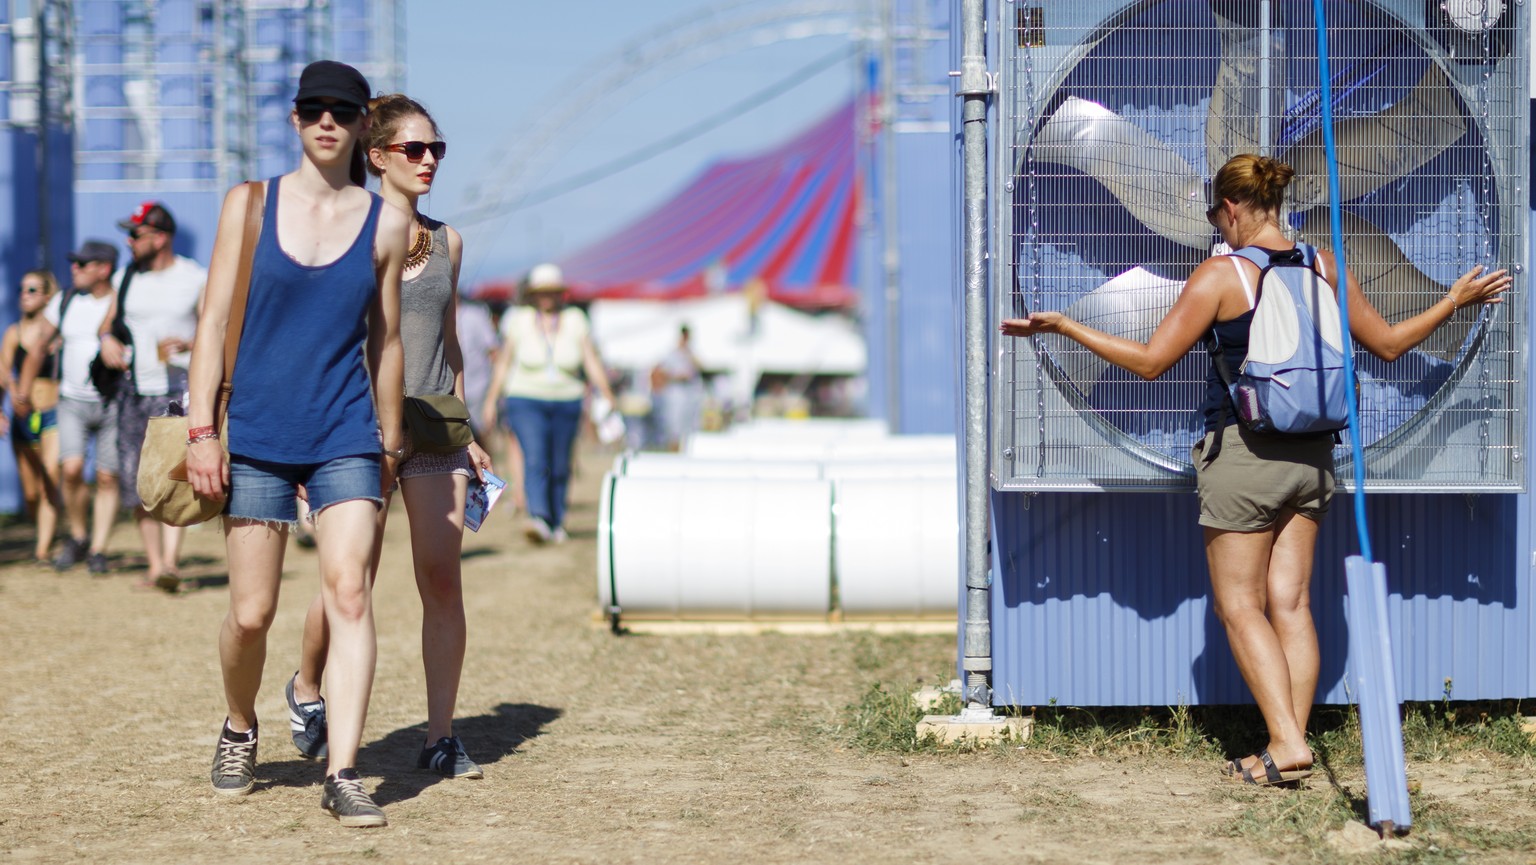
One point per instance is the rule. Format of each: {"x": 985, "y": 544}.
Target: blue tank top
{"x": 301, "y": 387}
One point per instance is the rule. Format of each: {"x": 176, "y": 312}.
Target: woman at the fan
{"x": 1261, "y": 496}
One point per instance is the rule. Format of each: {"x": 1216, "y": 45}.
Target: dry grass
{"x": 675, "y": 749}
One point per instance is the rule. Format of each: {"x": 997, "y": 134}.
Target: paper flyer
{"x": 480, "y": 500}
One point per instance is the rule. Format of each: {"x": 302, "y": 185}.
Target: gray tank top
{"x": 424, "y": 301}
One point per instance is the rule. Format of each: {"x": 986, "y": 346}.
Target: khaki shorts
{"x": 1257, "y": 478}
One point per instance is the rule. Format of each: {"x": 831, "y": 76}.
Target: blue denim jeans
{"x": 546, "y": 430}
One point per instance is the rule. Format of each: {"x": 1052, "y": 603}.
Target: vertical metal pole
{"x": 221, "y": 81}
{"x": 44, "y": 163}
{"x": 890, "y": 229}
{"x": 975, "y": 90}
{"x": 1267, "y": 101}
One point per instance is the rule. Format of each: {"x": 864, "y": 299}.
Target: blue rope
{"x": 1335, "y": 224}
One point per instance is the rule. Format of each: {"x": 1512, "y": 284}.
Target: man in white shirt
{"x": 77, "y": 315}
{"x": 159, "y": 313}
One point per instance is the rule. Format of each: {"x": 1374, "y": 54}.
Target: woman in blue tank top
{"x": 317, "y": 377}
{"x": 1261, "y": 496}
{"x": 404, "y": 149}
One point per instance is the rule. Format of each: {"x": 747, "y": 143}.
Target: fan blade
{"x": 1234, "y": 123}
{"x": 1130, "y": 305}
{"x": 1377, "y": 149}
{"x": 1154, "y": 183}
{"x": 1389, "y": 280}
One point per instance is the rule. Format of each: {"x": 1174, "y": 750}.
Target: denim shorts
{"x": 265, "y": 491}
{"x": 29, "y": 429}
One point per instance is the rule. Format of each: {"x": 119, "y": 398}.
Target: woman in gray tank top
{"x": 404, "y": 152}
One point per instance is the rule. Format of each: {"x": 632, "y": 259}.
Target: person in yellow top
{"x": 547, "y": 346}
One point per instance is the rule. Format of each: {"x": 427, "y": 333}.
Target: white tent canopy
{"x": 636, "y": 334}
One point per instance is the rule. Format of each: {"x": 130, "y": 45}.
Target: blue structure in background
{"x": 913, "y": 359}
{"x": 173, "y": 100}
{"x": 35, "y": 232}
{"x": 1103, "y": 598}
{"x": 179, "y": 104}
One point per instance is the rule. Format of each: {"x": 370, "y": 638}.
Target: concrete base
{"x": 928, "y": 697}
{"x": 975, "y": 727}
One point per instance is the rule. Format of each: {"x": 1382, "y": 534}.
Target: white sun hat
{"x": 546, "y": 277}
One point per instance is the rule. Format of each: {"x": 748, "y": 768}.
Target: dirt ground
{"x": 600, "y": 749}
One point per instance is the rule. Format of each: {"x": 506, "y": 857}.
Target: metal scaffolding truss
{"x": 37, "y": 39}
{"x": 183, "y": 94}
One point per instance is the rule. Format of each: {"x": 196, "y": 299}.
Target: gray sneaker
{"x": 71, "y": 552}
{"x": 447, "y": 758}
{"x": 234, "y": 764}
{"x": 349, "y": 803}
{"x": 307, "y": 721}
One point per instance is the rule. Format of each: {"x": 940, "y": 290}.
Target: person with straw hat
{"x": 538, "y": 380}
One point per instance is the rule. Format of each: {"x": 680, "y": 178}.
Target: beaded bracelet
{"x": 202, "y": 437}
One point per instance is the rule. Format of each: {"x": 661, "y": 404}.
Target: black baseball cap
{"x": 95, "y": 250}
{"x": 339, "y": 81}
{"x": 152, "y": 214}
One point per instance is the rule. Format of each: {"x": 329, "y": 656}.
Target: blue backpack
{"x": 1292, "y": 382}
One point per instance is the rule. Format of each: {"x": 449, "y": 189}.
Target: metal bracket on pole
{"x": 975, "y": 79}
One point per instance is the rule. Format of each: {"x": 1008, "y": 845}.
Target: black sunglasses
{"x": 343, "y": 113}
{"x": 415, "y": 150}
{"x": 32, "y": 289}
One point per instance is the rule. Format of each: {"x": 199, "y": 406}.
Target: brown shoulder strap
{"x": 255, "y": 204}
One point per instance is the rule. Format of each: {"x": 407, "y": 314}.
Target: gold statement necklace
{"x": 421, "y": 249}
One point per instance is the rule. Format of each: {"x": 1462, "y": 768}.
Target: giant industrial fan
{"x": 1114, "y": 115}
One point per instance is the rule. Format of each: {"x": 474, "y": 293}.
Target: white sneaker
{"x": 558, "y": 536}
{"x": 537, "y": 530}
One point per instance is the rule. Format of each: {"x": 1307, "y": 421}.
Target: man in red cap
{"x": 150, "y": 330}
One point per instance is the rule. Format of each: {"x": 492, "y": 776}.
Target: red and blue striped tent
{"x": 786, "y": 219}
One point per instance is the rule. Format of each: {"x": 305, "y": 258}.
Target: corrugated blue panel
{"x": 1102, "y": 599}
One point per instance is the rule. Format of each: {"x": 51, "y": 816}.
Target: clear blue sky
{"x": 490, "y": 69}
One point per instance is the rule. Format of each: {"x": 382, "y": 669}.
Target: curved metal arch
{"x": 678, "y": 46}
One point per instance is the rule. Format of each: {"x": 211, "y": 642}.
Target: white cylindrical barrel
{"x": 897, "y": 546}
{"x": 701, "y": 548}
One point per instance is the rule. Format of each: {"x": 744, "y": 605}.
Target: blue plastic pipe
{"x": 1386, "y": 775}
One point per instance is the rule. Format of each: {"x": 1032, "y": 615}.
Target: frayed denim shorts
{"x": 265, "y": 491}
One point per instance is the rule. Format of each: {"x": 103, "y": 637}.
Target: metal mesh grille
{"x": 1114, "y": 116}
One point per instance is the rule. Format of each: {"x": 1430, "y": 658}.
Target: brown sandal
{"x": 1272, "y": 774}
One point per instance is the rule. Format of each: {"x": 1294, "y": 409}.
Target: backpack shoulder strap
{"x": 69, "y": 295}
{"x": 1314, "y": 260}
{"x": 120, "y": 320}
{"x": 1242, "y": 276}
